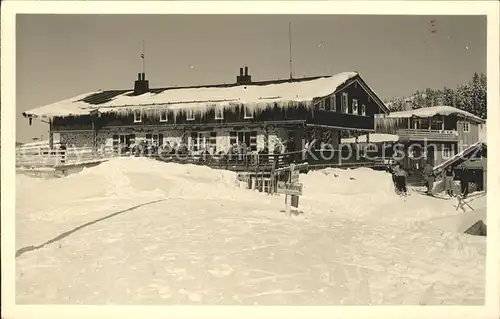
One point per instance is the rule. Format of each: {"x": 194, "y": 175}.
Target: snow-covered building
{"x": 433, "y": 134}
{"x": 214, "y": 117}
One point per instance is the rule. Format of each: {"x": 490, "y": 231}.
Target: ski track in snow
{"x": 209, "y": 242}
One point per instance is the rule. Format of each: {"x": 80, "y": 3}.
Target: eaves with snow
{"x": 427, "y": 112}
{"x": 257, "y": 95}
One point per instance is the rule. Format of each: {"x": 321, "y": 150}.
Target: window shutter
{"x": 115, "y": 139}
{"x": 160, "y": 139}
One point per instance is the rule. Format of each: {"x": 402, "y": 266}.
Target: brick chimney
{"x": 141, "y": 85}
{"x": 243, "y": 78}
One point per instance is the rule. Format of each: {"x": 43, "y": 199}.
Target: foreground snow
{"x": 200, "y": 239}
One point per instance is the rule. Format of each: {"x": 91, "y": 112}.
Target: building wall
{"x": 77, "y": 138}
{"x": 467, "y": 138}
{"x": 269, "y": 136}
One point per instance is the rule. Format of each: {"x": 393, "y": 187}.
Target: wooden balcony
{"x": 427, "y": 135}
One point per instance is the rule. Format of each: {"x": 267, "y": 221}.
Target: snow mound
{"x": 133, "y": 175}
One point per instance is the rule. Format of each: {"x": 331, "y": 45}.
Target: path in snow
{"x": 208, "y": 242}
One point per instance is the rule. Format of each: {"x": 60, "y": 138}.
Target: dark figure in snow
{"x": 290, "y": 148}
{"x": 401, "y": 175}
{"x": 464, "y": 182}
{"x": 448, "y": 179}
{"x": 428, "y": 177}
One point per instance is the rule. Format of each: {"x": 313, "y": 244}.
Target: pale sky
{"x": 61, "y": 56}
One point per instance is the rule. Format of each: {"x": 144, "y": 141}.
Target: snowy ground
{"x": 200, "y": 239}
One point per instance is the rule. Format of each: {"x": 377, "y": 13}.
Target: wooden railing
{"x": 44, "y": 157}
{"x": 250, "y": 162}
{"x": 429, "y": 135}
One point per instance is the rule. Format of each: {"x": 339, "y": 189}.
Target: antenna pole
{"x": 290, "y": 41}
{"x": 143, "y": 58}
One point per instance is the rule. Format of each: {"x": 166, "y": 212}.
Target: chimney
{"x": 243, "y": 78}
{"x": 141, "y": 86}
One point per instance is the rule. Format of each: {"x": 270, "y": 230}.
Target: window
{"x": 363, "y": 109}
{"x": 189, "y": 115}
{"x": 437, "y": 125}
{"x": 56, "y": 138}
{"x": 417, "y": 124}
{"x": 219, "y": 113}
{"x": 322, "y": 105}
{"x": 355, "y": 106}
{"x": 204, "y": 141}
{"x": 163, "y": 116}
{"x": 333, "y": 103}
{"x": 344, "y": 103}
{"x": 327, "y": 104}
{"x": 466, "y": 127}
{"x": 212, "y": 143}
{"x": 123, "y": 139}
{"x": 154, "y": 139}
{"x": 137, "y": 116}
{"x": 247, "y": 112}
{"x": 247, "y": 137}
{"x": 448, "y": 152}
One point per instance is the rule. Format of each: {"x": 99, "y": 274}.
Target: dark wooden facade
{"x": 350, "y": 107}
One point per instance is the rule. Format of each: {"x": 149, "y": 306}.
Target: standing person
{"x": 276, "y": 152}
{"x": 464, "y": 182}
{"x": 391, "y": 169}
{"x": 448, "y": 178}
{"x": 428, "y": 177}
{"x": 401, "y": 175}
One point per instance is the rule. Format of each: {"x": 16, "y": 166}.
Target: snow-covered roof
{"x": 199, "y": 98}
{"x": 425, "y": 112}
{"x": 68, "y": 107}
{"x": 374, "y": 138}
{"x": 469, "y": 150}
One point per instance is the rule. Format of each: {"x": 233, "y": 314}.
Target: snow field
{"x": 200, "y": 239}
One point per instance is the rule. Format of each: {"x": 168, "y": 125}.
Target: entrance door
{"x": 430, "y": 155}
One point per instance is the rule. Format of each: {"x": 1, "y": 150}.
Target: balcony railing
{"x": 429, "y": 135}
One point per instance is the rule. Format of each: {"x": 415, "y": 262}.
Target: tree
{"x": 448, "y": 97}
{"x": 470, "y": 97}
